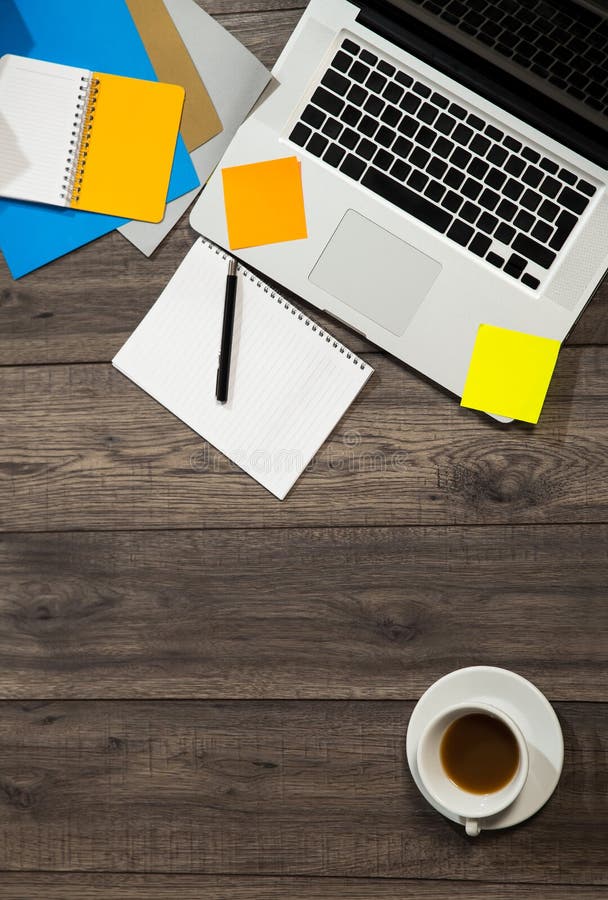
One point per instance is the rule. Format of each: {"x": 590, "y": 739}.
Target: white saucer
{"x": 527, "y": 707}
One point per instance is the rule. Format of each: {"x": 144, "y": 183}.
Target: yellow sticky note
{"x": 510, "y": 373}
{"x": 264, "y": 203}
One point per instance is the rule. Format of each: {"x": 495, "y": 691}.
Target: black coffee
{"x": 479, "y": 753}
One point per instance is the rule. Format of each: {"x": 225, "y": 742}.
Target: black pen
{"x": 223, "y": 372}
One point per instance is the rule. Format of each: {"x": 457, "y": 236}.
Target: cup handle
{"x": 472, "y": 827}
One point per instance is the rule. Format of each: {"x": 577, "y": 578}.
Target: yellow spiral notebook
{"x": 87, "y": 140}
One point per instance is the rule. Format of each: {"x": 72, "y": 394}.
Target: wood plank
{"x": 83, "y": 448}
{"x": 337, "y": 613}
{"x": 99, "y": 886}
{"x": 271, "y": 788}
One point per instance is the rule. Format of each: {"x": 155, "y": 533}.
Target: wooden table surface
{"x": 204, "y": 691}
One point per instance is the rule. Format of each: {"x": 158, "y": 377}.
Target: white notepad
{"x": 290, "y": 381}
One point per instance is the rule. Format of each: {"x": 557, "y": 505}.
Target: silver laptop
{"x": 455, "y": 167}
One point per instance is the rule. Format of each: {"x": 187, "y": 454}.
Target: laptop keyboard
{"x": 571, "y": 53}
{"x": 442, "y": 163}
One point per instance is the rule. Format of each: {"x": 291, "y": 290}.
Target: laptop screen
{"x": 558, "y": 47}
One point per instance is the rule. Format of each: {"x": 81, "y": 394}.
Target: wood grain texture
{"x": 337, "y": 613}
{"x": 100, "y": 886}
{"x": 271, "y": 788}
{"x": 81, "y": 447}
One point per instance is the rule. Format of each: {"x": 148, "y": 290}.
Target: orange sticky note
{"x": 264, "y": 203}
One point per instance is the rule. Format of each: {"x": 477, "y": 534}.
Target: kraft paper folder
{"x": 172, "y": 64}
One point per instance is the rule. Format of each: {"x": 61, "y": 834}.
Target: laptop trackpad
{"x": 375, "y": 272}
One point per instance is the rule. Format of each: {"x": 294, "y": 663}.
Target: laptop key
{"x": 445, "y": 123}
{"x": 495, "y": 260}
{"x": 530, "y": 199}
{"x": 313, "y": 116}
{"x": 434, "y": 191}
{"x": 462, "y": 134}
{"x": 471, "y": 189}
{"x": 391, "y": 116}
{"x": 533, "y": 251}
{"x": 332, "y": 128}
{"x": 402, "y": 147}
{"x": 586, "y": 188}
{"x": 386, "y": 68}
{"x": 353, "y": 167}
{"x": 392, "y": 92}
{"x": 532, "y": 176}
{"x": 475, "y": 122}
{"x": 359, "y": 72}
{"x": 457, "y": 111}
{"x": 442, "y": 147}
{"x": 374, "y": 105}
{"x": 460, "y": 232}
{"x": 425, "y": 136}
{"x": 300, "y": 134}
{"x": 440, "y": 101}
{"x": 409, "y": 201}
{"x": 480, "y": 145}
{"x": 408, "y": 126}
{"x": 342, "y": 61}
{"x": 437, "y": 167}
{"x": 524, "y": 220}
{"x": 351, "y": 115}
{"x": 383, "y": 159}
{"x": 515, "y": 166}
{"x": 428, "y": 113}
{"x": 368, "y": 126}
{"x": 350, "y": 46}
{"x": 454, "y": 177}
{"x": 564, "y": 224}
{"x": 417, "y": 180}
{"x": 357, "y": 95}
{"x": 349, "y": 138}
{"x": 548, "y": 210}
{"x": 366, "y": 149}
{"x": 317, "y": 144}
{"x": 487, "y": 223}
{"x": 506, "y": 210}
{"x": 404, "y": 79}
{"x": 505, "y": 233}
{"x": 495, "y": 178}
{"x": 422, "y": 89}
{"x": 452, "y": 201}
{"x": 477, "y": 168}
{"x": 571, "y": 200}
{"x": 335, "y": 82}
{"x": 497, "y": 155}
{"x": 376, "y": 82}
{"x": 334, "y": 155}
{"x": 419, "y": 157}
{"x": 549, "y": 166}
{"x": 530, "y": 154}
{"x": 400, "y": 170}
{"x": 368, "y": 57}
{"x": 542, "y": 231}
{"x": 480, "y": 244}
{"x": 489, "y": 199}
{"x": 567, "y": 176}
{"x": 329, "y": 102}
{"x": 470, "y": 212}
{"x": 530, "y": 281}
{"x": 550, "y": 187}
{"x": 513, "y": 189}
{"x": 515, "y": 265}
{"x": 410, "y": 103}
{"x": 385, "y": 136}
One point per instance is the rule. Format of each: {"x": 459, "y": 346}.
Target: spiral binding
{"x": 80, "y": 139}
{"x": 292, "y": 309}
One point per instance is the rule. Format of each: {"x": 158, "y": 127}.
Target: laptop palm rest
{"x": 375, "y": 272}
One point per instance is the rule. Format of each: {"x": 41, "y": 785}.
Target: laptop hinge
{"x": 486, "y": 79}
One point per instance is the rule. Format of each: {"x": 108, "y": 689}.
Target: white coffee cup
{"x": 472, "y": 808}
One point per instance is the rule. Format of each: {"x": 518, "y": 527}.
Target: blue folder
{"x": 97, "y": 36}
